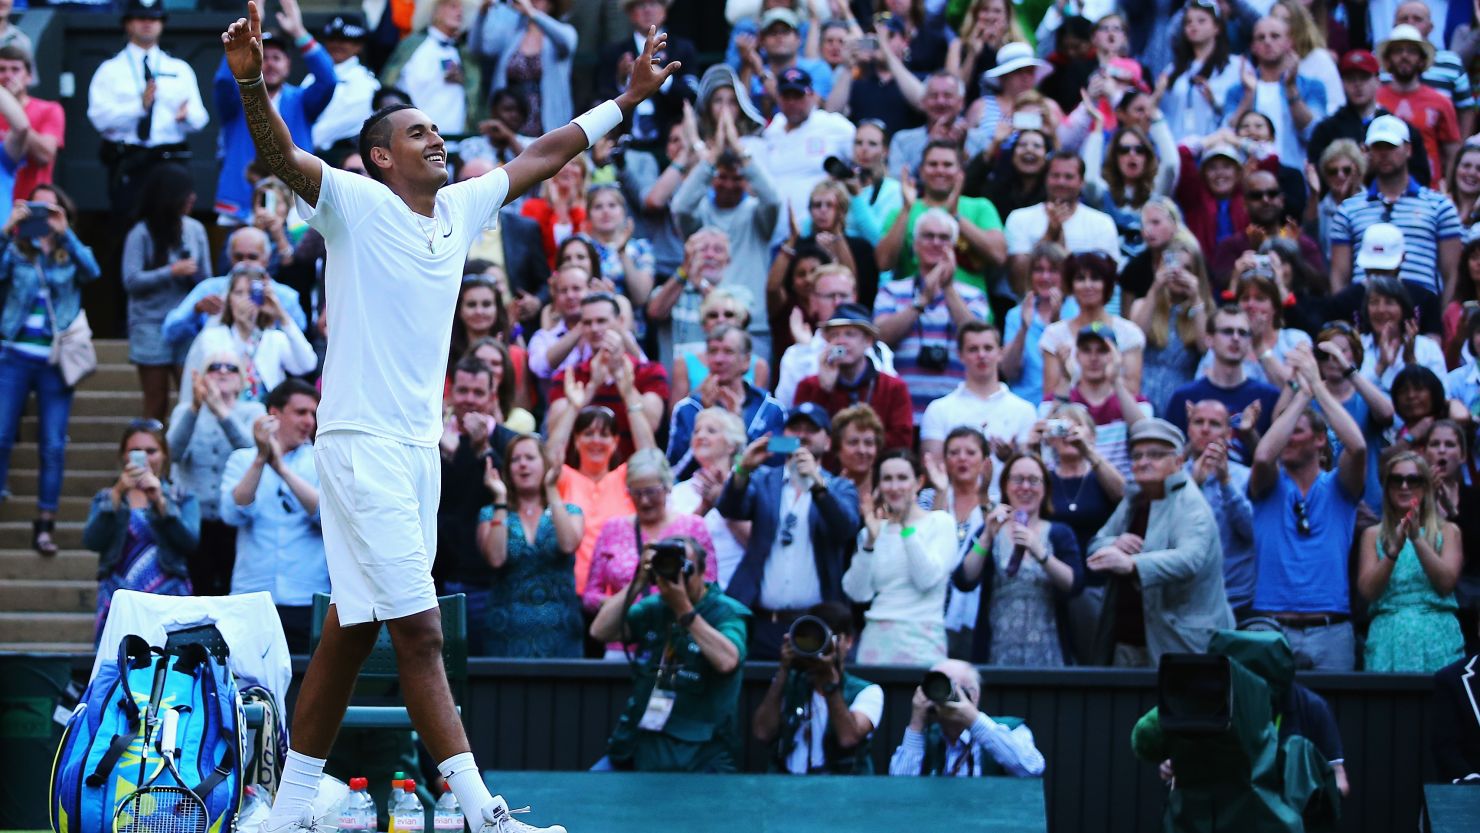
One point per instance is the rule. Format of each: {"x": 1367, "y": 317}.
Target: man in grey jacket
{"x": 1161, "y": 548}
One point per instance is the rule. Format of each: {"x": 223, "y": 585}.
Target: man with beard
{"x": 980, "y": 247}
{"x": 1265, "y": 202}
{"x": 1406, "y": 54}
{"x": 1359, "y": 80}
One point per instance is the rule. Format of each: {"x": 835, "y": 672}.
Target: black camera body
{"x": 938, "y": 688}
{"x": 810, "y": 637}
{"x": 936, "y": 357}
{"x": 671, "y": 560}
{"x": 839, "y": 168}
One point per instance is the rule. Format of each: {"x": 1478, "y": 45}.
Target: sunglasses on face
{"x": 222, "y": 367}
{"x": 1407, "y": 481}
{"x": 145, "y": 425}
{"x": 1343, "y": 170}
{"x": 1139, "y": 150}
{"x": 1273, "y": 193}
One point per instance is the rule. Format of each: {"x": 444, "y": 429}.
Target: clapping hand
{"x": 494, "y": 482}
{"x": 935, "y": 473}
{"x": 478, "y": 427}
{"x": 577, "y": 393}
{"x": 264, "y": 433}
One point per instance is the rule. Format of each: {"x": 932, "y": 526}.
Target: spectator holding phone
{"x": 142, "y": 527}
{"x": 42, "y": 269}
{"x": 1408, "y": 566}
{"x": 256, "y": 326}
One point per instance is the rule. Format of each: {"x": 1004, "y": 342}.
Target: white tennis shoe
{"x": 498, "y": 818}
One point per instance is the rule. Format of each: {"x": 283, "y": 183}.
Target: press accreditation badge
{"x": 659, "y": 709}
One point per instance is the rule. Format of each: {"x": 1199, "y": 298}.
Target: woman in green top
{"x": 1408, "y": 566}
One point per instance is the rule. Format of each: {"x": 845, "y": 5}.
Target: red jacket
{"x": 1200, "y": 208}
{"x": 888, "y": 396}
{"x": 541, "y": 212}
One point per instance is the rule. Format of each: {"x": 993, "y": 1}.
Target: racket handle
{"x": 167, "y": 737}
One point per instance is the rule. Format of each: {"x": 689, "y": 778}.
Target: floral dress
{"x": 1414, "y": 629}
{"x": 533, "y": 609}
{"x": 1024, "y": 629}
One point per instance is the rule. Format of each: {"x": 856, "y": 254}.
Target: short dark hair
{"x": 729, "y": 159}
{"x": 15, "y": 52}
{"x": 837, "y": 616}
{"x": 972, "y": 327}
{"x": 1096, "y": 265}
{"x": 378, "y": 100}
{"x": 1065, "y": 154}
{"x": 474, "y": 366}
{"x": 603, "y": 298}
{"x": 898, "y": 454}
{"x": 1226, "y": 309}
{"x": 942, "y": 144}
{"x": 376, "y": 133}
{"x": 277, "y": 398}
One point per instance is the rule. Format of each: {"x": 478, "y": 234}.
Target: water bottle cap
{"x": 446, "y": 786}
{"x": 398, "y": 777}
{"x": 358, "y": 784}
{"x": 409, "y": 785}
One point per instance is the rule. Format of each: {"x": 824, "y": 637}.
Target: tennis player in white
{"x": 396, "y": 245}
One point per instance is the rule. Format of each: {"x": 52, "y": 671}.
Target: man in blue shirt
{"x": 727, "y": 355}
{"x": 1229, "y": 340}
{"x": 1306, "y": 516}
{"x": 299, "y": 107}
{"x": 271, "y": 495}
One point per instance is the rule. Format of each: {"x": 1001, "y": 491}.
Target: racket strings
{"x": 161, "y": 810}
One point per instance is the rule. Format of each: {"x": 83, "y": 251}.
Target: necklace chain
{"x": 430, "y": 235}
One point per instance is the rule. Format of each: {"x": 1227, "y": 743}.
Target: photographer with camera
{"x": 818, "y": 717}
{"x": 846, "y": 376}
{"x": 950, "y": 736}
{"x": 690, "y": 640}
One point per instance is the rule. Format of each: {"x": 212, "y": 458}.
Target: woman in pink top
{"x": 593, "y": 485}
{"x": 615, "y": 560}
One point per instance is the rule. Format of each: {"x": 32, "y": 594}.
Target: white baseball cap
{"x": 1387, "y": 130}
{"x": 1382, "y": 247}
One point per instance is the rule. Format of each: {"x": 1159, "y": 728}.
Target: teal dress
{"x": 533, "y": 609}
{"x": 1414, "y": 629}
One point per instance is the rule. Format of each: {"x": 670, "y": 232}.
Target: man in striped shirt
{"x": 1430, "y": 224}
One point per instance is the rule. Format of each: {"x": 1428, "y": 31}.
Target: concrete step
{"x": 23, "y": 508}
{"x": 80, "y": 455}
{"x": 68, "y": 534}
{"x": 90, "y": 403}
{"x": 65, "y": 596}
{"x": 47, "y": 627}
{"x": 111, "y": 350}
{"x": 84, "y": 429}
{"x": 21, "y": 563}
{"x": 75, "y": 483}
{"x": 48, "y": 647}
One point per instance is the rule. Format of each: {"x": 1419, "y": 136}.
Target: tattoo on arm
{"x": 274, "y": 144}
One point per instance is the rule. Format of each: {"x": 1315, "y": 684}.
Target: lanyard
{"x": 967, "y": 759}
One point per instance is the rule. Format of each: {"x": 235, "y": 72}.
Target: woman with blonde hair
{"x": 1174, "y": 316}
{"x": 718, "y": 436}
{"x": 1309, "y": 43}
{"x": 1161, "y": 223}
{"x": 723, "y": 305}
{"x": 1340, "y": 173}
{"x": 1408, "y": 566}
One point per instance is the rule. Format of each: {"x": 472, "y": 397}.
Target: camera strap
{"x": 967, "y": 759}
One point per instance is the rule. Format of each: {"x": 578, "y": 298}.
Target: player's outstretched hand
{"x": 647, "y": 74}
{"x": 243, "y": 42}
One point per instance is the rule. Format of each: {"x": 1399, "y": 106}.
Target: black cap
{"x": 344, "y": 27}
{"x": 793, "y": 80}
{"x": 811, "y": 412}
{"x": 150, "y": 9}
{"x": 275, "y": 41}
{"x": 1097, "y": 329}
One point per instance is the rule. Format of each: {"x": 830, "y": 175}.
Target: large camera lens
{"x": 669, "y": 560}
{"x": 938, "y": 687}
{"x": 810, "y": 636}
{"x": 837, "y": 168}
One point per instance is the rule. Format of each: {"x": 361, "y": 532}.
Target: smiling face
{"x": 224, "y": 371}
{"x": 1220, "y": 174}
{"x": 1065, "y": 179}
{"x": 471, "y": 393}
{"x": 859, "y": 449}
{"x": 1466, "y": 170}
{"x": 1207, "y": 421}
{"x": 1029, "y": 153}
{"x": 526, "y": 465}
{"x": 1088, "y": 290}
{"x": 932, "y": 241}
{"x": 708, "y": 442}
{"x": 1406, "y": 486}
{"x": 1025, "y": 484}
{"x": 416, "y": 154}
{"x": 650, "y": 495}
{"x": 491, "y": 356}
{"x": 942, "y": 98}
{"x": 569, "y": 286}
{"x": 596, "y": 445}
{"x": 1413, "y": 402}
{"x": 898, "y": 483}
{"x": 1383, "y": 311}
{"x": 477, "y": 311}
{"x": 1341, "y": 171}
{"x": 940, "y": 170}
{"x": 1046, "y": 277}
{"x": 297, "y": 420}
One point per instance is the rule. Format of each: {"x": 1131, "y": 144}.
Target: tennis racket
{"x": 163, "y": 808}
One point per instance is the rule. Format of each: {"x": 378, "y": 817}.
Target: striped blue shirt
{"x": 934, "y": 328}
{"x": 34, "y": 338}
{"x": 1424, "y": 215}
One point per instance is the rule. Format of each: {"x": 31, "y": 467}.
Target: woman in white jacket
{"x": 905, "y": 556}
{"x": 255, "y": 326}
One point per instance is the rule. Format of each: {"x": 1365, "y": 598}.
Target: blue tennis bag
{"x": 110, "y": 746}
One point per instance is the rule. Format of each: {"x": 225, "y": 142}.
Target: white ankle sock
{"x": 296, "y": 790}
{"x": 467, "y": 784}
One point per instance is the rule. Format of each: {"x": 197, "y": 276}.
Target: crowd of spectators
{"x": 986, "y": 332}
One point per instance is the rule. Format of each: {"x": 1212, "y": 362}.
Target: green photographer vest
{"x": 794, "y": 706}
{"x": 934, "y": 762}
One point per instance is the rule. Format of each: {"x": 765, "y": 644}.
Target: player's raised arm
{"x": 548, "y": 154}
{"x": 296, "y": 167}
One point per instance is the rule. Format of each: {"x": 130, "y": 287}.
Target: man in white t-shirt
{"x": 1061, "y": 219}
{"x": 981, "y": 401}
{"x": 396, "y": 244}
{"x": 798, "y": 140}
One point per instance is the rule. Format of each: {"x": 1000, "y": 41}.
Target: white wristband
{"x": 599, "y": 121}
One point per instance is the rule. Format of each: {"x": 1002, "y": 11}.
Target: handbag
{"x": 72, "y": 351}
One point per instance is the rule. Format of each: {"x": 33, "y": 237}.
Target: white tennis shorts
{"x": 378, "y": 506}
